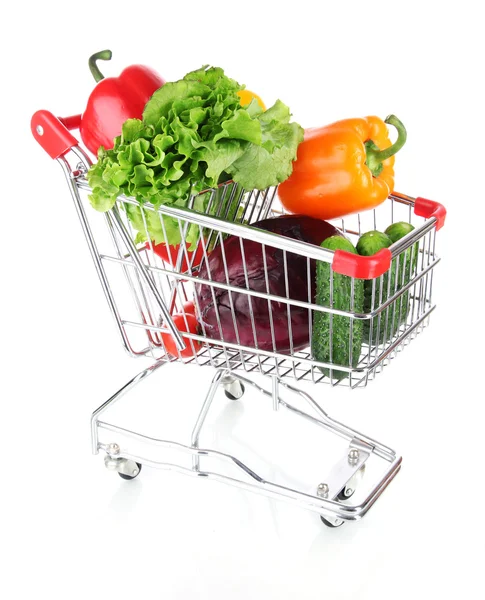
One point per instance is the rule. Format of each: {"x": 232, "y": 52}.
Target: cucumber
{"x": 385, "y": 327}
{"x": 369, "y": 243}
{"x": 331, "y": 333}
{"x": 404, "y": 265}
{"x": 396, "y": 231}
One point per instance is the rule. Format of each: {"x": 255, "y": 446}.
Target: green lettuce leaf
{"x": 194, "y": 134}
{"x": 271, "y": 162}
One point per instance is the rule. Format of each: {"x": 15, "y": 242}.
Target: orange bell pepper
{"x": 343, "y": 168}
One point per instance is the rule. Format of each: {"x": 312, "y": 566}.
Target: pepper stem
{"x": 102, "y": 55}
{"x": 375, "y": 156}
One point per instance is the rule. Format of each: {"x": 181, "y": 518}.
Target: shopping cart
{"x": 144, "y": 292}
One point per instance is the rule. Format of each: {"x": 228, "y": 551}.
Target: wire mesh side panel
{"x": 397, "y": 304}
{"x": 256, "y": 304}
{"x": 167, "y": 265}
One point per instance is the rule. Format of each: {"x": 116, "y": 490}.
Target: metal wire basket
{"x": 399, "y": 308}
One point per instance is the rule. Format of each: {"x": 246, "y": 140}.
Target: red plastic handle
{"x": 430, "y": 208}
{"x": 362, "y": 267}
{"x": 52, "y": 134}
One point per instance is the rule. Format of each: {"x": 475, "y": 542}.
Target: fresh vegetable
{"x": 371, "y": 242}
{"x": 114, "y": 100}
{"x": 189, "y": 307}
{"x": 246, "y": 97}
{"x": 331, "y": 335}
{"x": 343, "y": 168}
{"x": 387, "y": 323}
{"x": 170, "y": 253}
{"x": 376, "y": 290}
{"x": 194, "y": 134}
{"x": 185, "y": 323}
{"x": 398, "y": 230}
{"x": 405, "y": 267}
{"x": 409, "y": 259}
{"x": 227, "y": 204}
{"x": 265, "y": 273}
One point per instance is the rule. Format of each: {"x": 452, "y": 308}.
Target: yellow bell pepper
{"x": 246, "y": 96}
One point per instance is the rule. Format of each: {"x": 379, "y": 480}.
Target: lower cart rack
{"x": 330, "y": 497}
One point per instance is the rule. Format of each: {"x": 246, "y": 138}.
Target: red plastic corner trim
{"x": 429, "y": 208}
{"x": 362, "y": 267}
{"x": 51, "y": 134}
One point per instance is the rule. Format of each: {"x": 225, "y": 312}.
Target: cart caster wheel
{"x": 128, "y": 477}
{"x": 232, "y": 396}
{"x": 351, "y": 486}
{"x": 345, "y": 494}
{"x": 331, "y": 524}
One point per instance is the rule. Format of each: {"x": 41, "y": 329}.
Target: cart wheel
{"x": 345, "y": 496}
{"x": 232, "y": 397}
{"x": 123, "y": 476}
{"x": 328, "y": 523}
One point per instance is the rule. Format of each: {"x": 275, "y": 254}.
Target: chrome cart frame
{"x": 330, "y": 495}
{"x": 144, "y": 292}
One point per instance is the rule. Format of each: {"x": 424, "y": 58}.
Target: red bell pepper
{"x": 114, "y": 100}
{"x": 169, "y": 255}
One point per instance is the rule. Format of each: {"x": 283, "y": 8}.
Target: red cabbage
{"x": 302, "y": 228}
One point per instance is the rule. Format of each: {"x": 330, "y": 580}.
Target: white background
{"x": 69, "y": 528}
